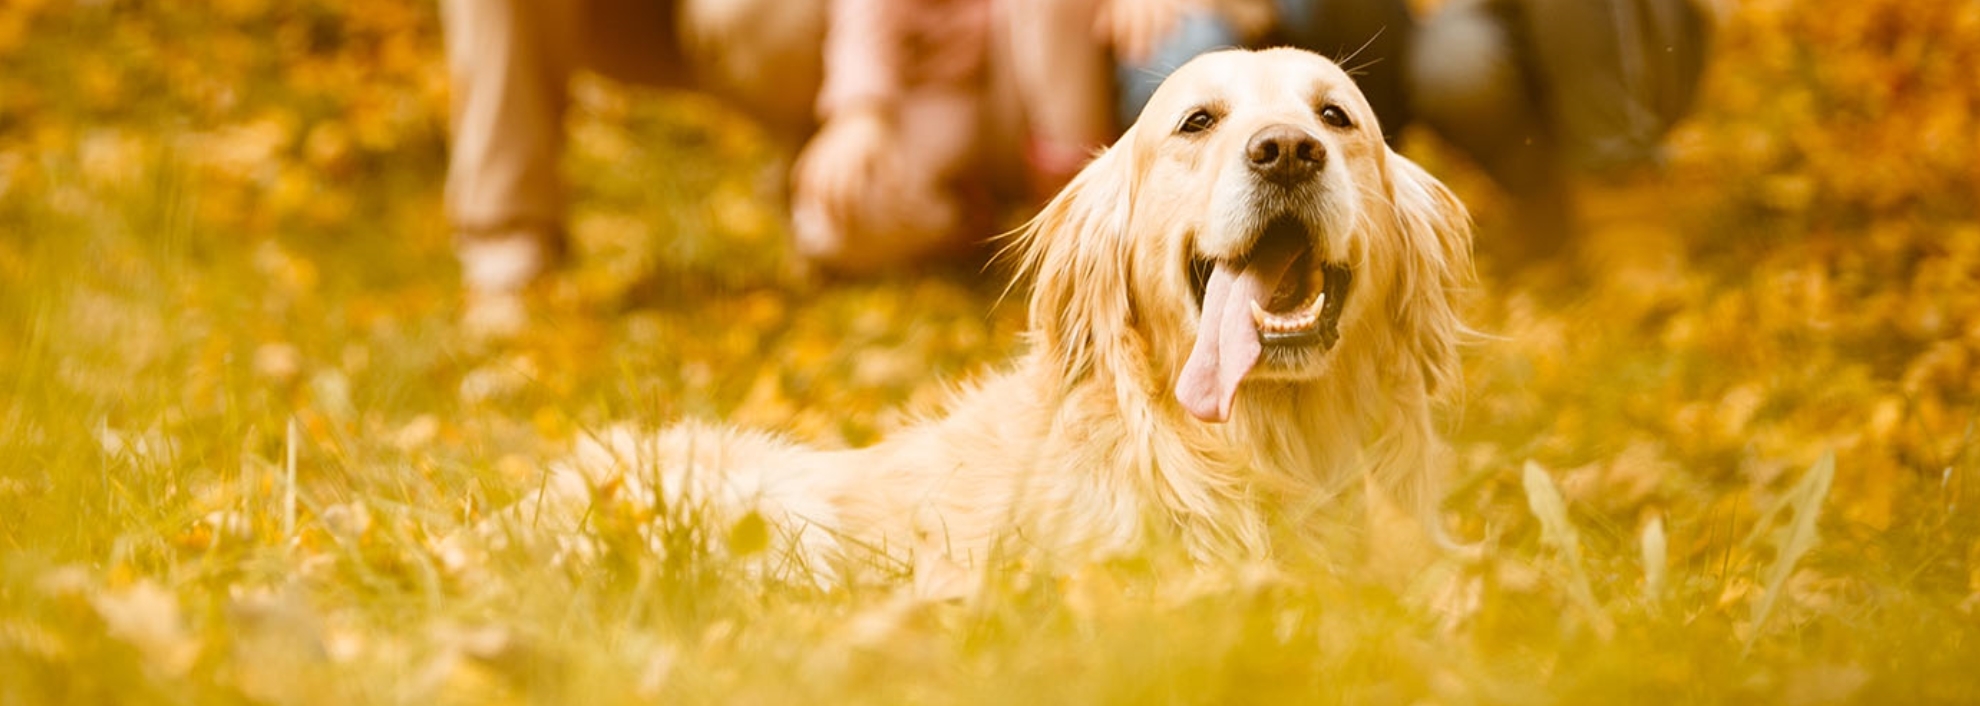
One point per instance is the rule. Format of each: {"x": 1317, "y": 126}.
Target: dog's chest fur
{"x": 1025, "y": 463}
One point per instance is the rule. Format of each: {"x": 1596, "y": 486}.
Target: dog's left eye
{"x": 1197, "y": 122}
{"x": 1335, "y": 116}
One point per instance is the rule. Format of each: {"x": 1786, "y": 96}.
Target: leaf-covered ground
{"x": 1725, "y": 454}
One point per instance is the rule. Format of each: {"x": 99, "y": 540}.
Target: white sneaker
{"x": 495, "y": 270}
{"x": 502, "y": 263}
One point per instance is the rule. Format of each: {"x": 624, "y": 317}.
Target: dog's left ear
{"x": 1435, "y": 269}
{"x": 1076, "y": 254}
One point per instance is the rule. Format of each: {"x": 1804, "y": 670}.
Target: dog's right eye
{"x": 1197, "y": 122}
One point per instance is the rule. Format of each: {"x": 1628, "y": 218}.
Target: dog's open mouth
{"x": 1275, "y": 297}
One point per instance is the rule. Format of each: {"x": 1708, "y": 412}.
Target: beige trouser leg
{"x": 508, "y": 61}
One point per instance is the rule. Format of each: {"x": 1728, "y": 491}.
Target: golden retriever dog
{"x": 1245, "y": 306}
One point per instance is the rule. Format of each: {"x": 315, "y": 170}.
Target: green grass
{"x": 193, "y": 288}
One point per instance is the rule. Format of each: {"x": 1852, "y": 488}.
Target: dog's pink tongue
{"x": 1226, "y": 338}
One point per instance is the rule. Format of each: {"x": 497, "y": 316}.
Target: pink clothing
{"x": 893, "y": 175}
{"x": 875, "y": 50}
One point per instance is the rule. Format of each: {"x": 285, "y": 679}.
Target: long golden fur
{"x": 1117, "y": 427}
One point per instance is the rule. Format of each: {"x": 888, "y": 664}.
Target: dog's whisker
{"x": 1357, "y": 69}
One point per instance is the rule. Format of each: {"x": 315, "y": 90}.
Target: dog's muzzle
{"x": 1282, "y": 294}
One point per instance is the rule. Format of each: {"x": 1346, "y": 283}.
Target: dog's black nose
{"x": 1285, "y": 153}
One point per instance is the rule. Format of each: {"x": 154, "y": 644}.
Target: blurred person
{"x": 1540, "y": 91}
{"x": 888, "y": 98}
{"x": 889, "y": 178}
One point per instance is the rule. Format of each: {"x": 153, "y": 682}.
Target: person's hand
{"x": 847, "y": 158}
{"x": 1133, "y": 27}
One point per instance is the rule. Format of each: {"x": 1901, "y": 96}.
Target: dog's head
{"x": 1251, "y": 228}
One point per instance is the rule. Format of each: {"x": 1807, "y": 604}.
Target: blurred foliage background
{"x": 222, "y": 265}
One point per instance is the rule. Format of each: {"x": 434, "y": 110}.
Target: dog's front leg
{"x": 1404, "y": 489}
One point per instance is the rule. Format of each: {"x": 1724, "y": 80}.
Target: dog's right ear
{"x": 1076, "y": 254}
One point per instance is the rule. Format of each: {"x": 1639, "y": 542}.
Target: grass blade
{"x": 1792, "y": 537}
{"x": 1545, "y": 501}
{"x": 1656, "y": 553}
{"x": 289, "y": 482}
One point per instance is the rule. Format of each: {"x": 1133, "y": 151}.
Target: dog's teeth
{"x": 1268, "y": 322}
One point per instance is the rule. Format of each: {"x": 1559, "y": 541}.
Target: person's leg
{"x": 1195, "y": 32}
{"x": 1062, "y": 78}
{"x": 508, "y": 61}
{"x": 1002, "y": 159}
{"x": 1469, "y": 83}
{"x": 1618, "y": 74}
{"x": 1579, "y": 59}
